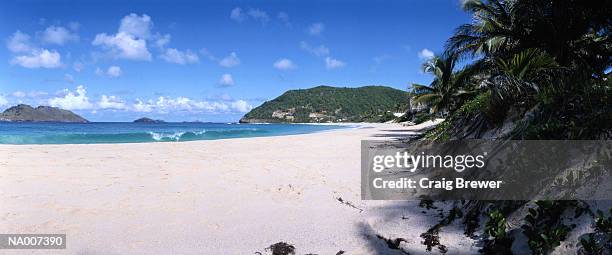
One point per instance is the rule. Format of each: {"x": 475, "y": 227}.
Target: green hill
{"x": 331, "y": 104}
{"x": 24, "y": 112}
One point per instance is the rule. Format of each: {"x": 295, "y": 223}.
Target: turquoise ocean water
{"x": 116, "y": 132}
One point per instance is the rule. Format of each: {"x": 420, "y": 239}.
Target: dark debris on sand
{"x": 281, "y": 248}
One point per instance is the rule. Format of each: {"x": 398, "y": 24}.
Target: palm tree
{"x": 575, "y": 33}
{"x": 447, "y": 88}
{"x": 437, "y": 94}
{"x": 514, "y": 43}
{"x": 522, "y": 75}
{"x": 546, "y": 57}
{"x": 494, "y": 30}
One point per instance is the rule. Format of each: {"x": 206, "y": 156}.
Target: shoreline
{"x": 186, "y": 197}
{"x": 351, "y": 126}
{"x": 344, "y": 127}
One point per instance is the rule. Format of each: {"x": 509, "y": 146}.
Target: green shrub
{"x": 499, "y": 242}
{"x": 440, "y": 132}
{"x": 496, "y": 226}
{"x": 543, "y": 225}
{"x": 421, "y": 117}
{"x": 479, "y": 104}
{"x": 590, "y": 246}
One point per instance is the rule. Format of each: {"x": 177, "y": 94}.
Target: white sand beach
{"x": 234, "y": 196}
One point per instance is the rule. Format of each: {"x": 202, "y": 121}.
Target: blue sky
{"x": 209, "y": 61}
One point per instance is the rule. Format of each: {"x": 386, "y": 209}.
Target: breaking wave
{"x": 61, "y": 133}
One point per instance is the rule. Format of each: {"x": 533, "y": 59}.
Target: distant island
{"x": 26, "y": 113}
{"x": 331, "y": 104}
{"x": 148, "y": 120}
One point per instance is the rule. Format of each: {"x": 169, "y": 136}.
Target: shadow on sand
{"x": 400, "y": 134}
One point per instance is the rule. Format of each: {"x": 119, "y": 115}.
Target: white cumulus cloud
{"x": 72, "y": 100}
{"x": 162, "y": 40}
{"x": 284, "y": 64}
{"x": 19, "y": 94}
{"x": 123, "y": 45}
{"x": 114, "y": 71}
{"x": 318, "y": 51}
{"x": 316, "y": 28}
{"x": 58, "y": 35}
{"x": 226, "y": 80}
{"x": 130, "y": 42}
{"x": 180, "y": 57}
{"x": 111, "y": 102}
{"x": 141, "y": 106}
{"x": 138, "y": 26}
{"x": 167, "y": 105}
{"x": 29, "y": 56}
{"x": 237, "y": 14}
{"x": 258, "y": 15}
{"x": 39, "y": 58}
{"x": 111, "y": 72}
{"x": 230, "y": 61}
{"x": 425, "y": 54}
{"x": 331, "y": 63}
{"x": 37, "y": 94}
{"x": 19, "y": 42}
{"x": 77, "y": 99}
{"x": 241, "y": 106}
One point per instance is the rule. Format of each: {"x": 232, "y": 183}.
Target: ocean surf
{"x": 119, "y": 132}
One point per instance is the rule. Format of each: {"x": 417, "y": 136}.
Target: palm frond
{"x": 420, "y": 89}
{"x": 427, "y": 99}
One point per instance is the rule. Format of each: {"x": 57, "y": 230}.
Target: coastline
{"x": 128, "y": 132}
{"x": 235, "y": 196}
{"x": 284, "y": 128}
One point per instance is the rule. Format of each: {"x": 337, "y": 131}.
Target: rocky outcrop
{"x": 148, "y": 120}
{"x": 26, "y": 113}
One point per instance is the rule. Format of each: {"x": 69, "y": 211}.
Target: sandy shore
{"x": 234, "y": 196}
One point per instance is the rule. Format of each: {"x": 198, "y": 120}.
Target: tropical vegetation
{"x": 525, "y": 69}
{"x": 545, "y": 65}
{"x": 332, "y": 104}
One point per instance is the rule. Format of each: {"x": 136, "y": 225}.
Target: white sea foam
{"x": 199, "y": 132}
{"x": 161, "y": 136}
